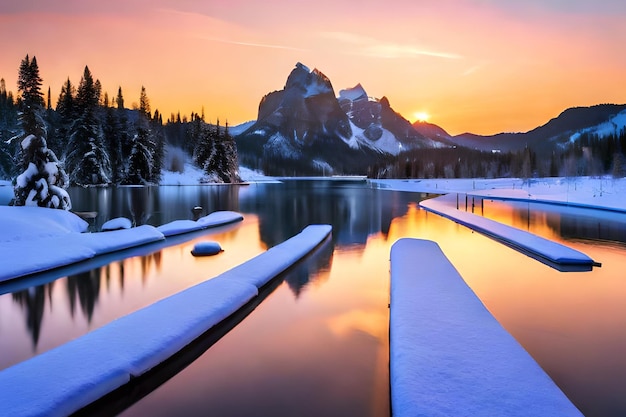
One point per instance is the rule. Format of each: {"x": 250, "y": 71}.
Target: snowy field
{"x": 604, "y": 192}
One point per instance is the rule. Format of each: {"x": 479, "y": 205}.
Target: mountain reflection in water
{"x": 318, "y": 343}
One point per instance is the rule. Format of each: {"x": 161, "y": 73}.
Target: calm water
{"x": 317, "y": 344}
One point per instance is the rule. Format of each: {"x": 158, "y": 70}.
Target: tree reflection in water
{"x": 33, "y": 301}
{"x": 83, "y": 288}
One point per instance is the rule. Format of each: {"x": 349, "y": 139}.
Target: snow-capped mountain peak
{"x": 312, "y": 83}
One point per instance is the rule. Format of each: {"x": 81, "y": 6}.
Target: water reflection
{"x": 82, "y": 290}
{"x": 153, "y": 205}
{"x": 317, "y": 268}
{"x": 32, "y": 301}
{"x": 570, "y": 223}
{"x": 308, "y": 270}
{"x": 355, "y": 212}
{"x": 321, "y": 337}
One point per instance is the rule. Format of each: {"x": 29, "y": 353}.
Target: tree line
{"x": 90, "y": 139}
{"x": 589, "y": 155}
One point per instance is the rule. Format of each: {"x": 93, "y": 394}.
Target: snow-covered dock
{"x": 70, "y": 377}
{"x": 555, "y": 254}
{"x": 448, "y": 355}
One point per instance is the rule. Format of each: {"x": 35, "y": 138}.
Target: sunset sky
{"x": 483, "y": 66}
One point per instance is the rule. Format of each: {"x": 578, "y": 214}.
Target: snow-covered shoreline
{"x": 61, "y": 381}
{"x": 603, "y": 193}
{"x": 63, "y": 236}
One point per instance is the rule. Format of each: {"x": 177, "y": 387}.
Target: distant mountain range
{"x": 306, "y": 126}
{"x": 602, "y": 119}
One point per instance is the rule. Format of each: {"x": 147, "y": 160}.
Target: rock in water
{"x": 206, "y": 249}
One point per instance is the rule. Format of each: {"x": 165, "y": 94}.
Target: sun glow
{"x": 421, "y": 116}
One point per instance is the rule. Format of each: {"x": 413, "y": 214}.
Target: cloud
{"x": 212, "y": 25}
{"x": 252, "y": 44}
{"x": 364, "y": 45}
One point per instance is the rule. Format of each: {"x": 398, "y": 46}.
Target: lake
{"x": 317, "y": 342}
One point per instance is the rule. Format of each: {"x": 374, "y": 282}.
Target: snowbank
{"x": 518, "y": 239}
{"x": 193, "y": 175}
{"x": 214, "y": 219}
{"x": 116, "y": 224}
{"x": 35, "y": 239}
{"x": 448, "y": 355}
{"x": 68, "y": 378}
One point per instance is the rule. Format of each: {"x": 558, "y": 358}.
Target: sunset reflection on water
{"x": 317, "y": 344}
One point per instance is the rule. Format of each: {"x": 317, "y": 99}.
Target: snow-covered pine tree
{"x": 43, "y": 181}
{"x": 8, "y": 118}
{"x": 158, "y": 153}
{"x": 141, "y": 155}
{"x": 230, "y": 164}
{"x": 113, "y": 141}
{"x": 216, "y": 153}
{"x": 66, "y": 113}
{"x": 87, "y": 159}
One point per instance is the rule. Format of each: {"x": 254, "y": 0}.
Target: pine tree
{"x": 140, "y": 169}
{"x": 32, "y": 103}
{"x": 66, "y": 113}
{"x": 43, "y": 181}
{"x": 8, "y": 119}
{"x": 158, "y": 138}
{"x": 87, "y": 160}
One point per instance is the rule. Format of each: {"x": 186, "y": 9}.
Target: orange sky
{"x": 483, "y": 66}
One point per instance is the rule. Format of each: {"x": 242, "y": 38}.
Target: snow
{"x": 449, "y": 355}
{"x": 219, "y": 218}
{"x": 24, "y": 177}
{"x": 61, "y": 234}
{"x": 598, "y": 193}
{"x": 387, "y": 142}
{"x": 190, "y": 176}
{"x": 519, "y": 239}
{"x": 116, "y": 224}
{"x": 206, "y": 248}
{"x": 63, "y": 380}
{"x": 112, "y": 241}
{"x": 179, "y": 226}
{"x": 239, "y": 129}
{"x": 610, "y": 127}
{"x": 280, "y": 257}
{"x": 26, "y": 141}
{"x": 353, "y": 94}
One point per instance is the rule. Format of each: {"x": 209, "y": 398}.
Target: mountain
{"x": 603, "y": 119}
{"x": 306, "y": 128}
{"x": 433, "y": 132}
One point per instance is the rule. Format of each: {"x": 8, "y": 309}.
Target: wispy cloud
{"x": 252, "y": 44}
{"x": 472, "y": 70}
{"x": 365, "y": 45}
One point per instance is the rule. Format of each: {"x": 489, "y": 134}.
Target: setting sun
{"x": 421, "y": 116}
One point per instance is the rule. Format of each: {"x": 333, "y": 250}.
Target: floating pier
{"x": 448, "y": 355}
{"x": 63, "y": 380}
{"x": 551, "y": 253}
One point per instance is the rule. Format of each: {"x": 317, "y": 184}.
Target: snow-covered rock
{"x": 117, "y": 223}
